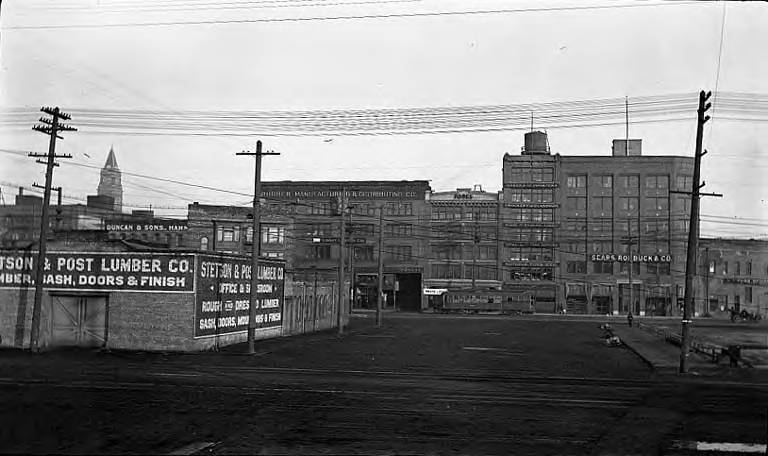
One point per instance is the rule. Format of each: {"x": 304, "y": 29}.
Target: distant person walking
{"x": 630, "y": 318}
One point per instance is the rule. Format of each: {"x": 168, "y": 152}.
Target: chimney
{"x": 627, "y": 148}
{"x": 21, "y": 191}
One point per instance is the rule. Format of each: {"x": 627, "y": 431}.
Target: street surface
{"x": 421, "y": 384}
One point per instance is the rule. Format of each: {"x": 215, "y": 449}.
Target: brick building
{"x": 464, "y": 240}
{"x": 301, "y": 223}
{"x": 733, "y": 274}
{"x": 573, "y": 226}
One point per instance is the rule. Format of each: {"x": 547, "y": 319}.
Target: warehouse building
{"x": 733, "y": 274}
{"x": 578, "y": 230}
{"x": 301, "y": 221}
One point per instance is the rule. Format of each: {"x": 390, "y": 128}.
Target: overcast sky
{"x": 230, "y": 59}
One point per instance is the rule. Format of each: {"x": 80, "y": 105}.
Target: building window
{"x": 738, "y": 268}
{"x": 575, "y": 227}
{"x": 711, "y": 267}
{"x": 604, "y": 181}
{"x": 446, "y": 271}
{"x": 446, "y": 252}
{"x": 400, "y": 252}
{"x": 603, "y": 204}
{"x": 658, "y": 204}
{"x": 602, "y": 247}
{"x": 576, "y": 181}
{"x": 272, "y": 235}
{"x": 749, "y": 268}
{"x": 685, "y": 183}
{"x": 628, "y": 203}
{"x": 576, "y": 267}
{"x": 602, "y": 225}
{"x": 249, "y": 235}
{"x": 279, "y": 255}
{"x": 400, "y": 209}
{"x": 660, "y": 182}
{"x": 624, "y": 268}
{"x": 364, "y": 253}
{"x": 316, "y": 208}
{"x": 576, "y": 203}
{"x": 398, "y": 230}
{"x": 204, "y": 243}
{"x": 575, "y": 247}
{"x": 219, "y": 233}
{"x": 629, "y": 182}
{"x": 320, "y": 229}
{"x": 602, "y": 267}
{"x": 725, "y": 267}
{"x": 737, "y": 302}
{"x": 228, "y": 234}
{"x": 320, "y": 252}
{"x": 748, "y": 295}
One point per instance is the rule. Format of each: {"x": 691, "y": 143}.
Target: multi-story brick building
{"x": 578, "y": 229}
{"x": 732, "y": 274}
{"x": 464, "y": 240}
{"x": 301, "y": 223}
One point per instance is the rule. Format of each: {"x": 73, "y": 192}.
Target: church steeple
{"x": 110, "y": 183}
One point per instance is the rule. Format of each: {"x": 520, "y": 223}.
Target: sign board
{"x": 222, "y": 300}
{"x": 434, "y": 291}
{"x": 335, "y": 240}
{"x": 170, "y": 226}
{"x": 101, "y": 271}
{"x": 635, "y": 258}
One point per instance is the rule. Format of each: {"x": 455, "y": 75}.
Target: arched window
{"x": 204, "y": 243}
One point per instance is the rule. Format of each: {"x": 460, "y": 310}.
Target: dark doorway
{"x": 408, "y": 294}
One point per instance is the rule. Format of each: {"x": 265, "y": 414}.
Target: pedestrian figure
{"x": 629, "y": 318}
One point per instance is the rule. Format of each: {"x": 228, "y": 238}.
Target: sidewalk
{"x": 662, "y": 356}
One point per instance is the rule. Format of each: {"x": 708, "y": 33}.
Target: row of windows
{"x": 530, "y": 253}
{"x": 532, "y": 235}
{"x": 531, "y": 195}
{"x": 624, "y": 203}
{"x": 464, "y": 213}
{"x": 531, "y": 215}
{"x": 523, "y": 175}
{"x": 607, "y": 267}
{"x": 458, "y": 252}
{"x": 270, "y": 234}
{"x": 625, "y": 181}
{"x": 736, "y": 270}
{"x": 454, "y": 271}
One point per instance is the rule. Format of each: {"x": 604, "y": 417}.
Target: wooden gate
{"x": 78, "y": 321}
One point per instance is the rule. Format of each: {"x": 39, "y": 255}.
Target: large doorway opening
{"x": 407, "y": 294}
{"x": 78, "y": 321}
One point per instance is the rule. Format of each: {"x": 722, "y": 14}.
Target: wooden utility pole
{"x": 706, "y": 281}
{"x": 255, "y": 243}
{"x": 342, "y": 209}
{"x": 381, "y": 267}
{"x": 690, "y": 263}
{"x": 475, "y": 240}
{"x": 351, "y": 291}
{"x": 50, "y": 127}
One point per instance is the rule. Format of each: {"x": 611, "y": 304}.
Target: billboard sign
{"x": 222, "y": 301}
{"x": 101, "y": 271}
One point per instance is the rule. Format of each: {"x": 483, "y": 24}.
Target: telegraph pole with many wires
{"x": 50, "y": 127}
{"x": 255, "y": 243}
{"x": 693, "y": 230}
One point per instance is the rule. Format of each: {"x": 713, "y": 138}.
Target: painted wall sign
{"x": 155, "y": 225}
{"x": 635, "y": 258}
{"x": 409, "y": 193}
{"x": 101, "y": 271}
{"x": 222, "y": 301}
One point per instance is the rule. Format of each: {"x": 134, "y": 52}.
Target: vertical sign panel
{"x": 222, "y": 298}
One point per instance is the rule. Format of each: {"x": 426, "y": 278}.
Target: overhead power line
{"x": 350, "y": 17}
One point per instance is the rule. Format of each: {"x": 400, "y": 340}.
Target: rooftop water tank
{"x": 536, "y": 143}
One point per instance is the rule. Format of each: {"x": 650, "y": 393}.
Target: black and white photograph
{"x": 384, "y": 227}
